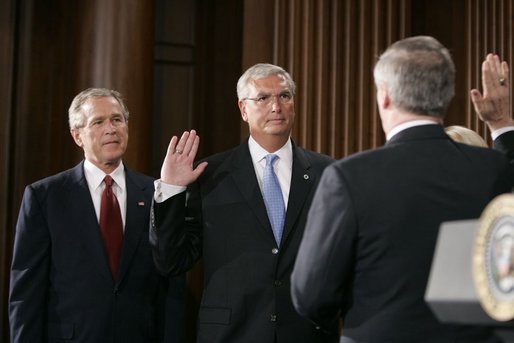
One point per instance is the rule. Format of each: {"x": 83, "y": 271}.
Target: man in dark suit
{"x": 372, "y": 227}
{"x": 66, "y": 284}
{"x": 248, "y": 243}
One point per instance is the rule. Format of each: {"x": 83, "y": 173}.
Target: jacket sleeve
{"x": 505, "y": 144}
{"x": 322, "y": 273}
{"x": 176, "y": 232}
{"x": 29, "y": 272}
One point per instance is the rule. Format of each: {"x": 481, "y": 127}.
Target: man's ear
{"x": 242, "y": 109}
{"x": 383, "y": 98}
{"x": 75, "y": 133}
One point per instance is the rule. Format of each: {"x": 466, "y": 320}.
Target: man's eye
{"x": 96, "y": 123}
{"x": 285, "y": 96}
{"x": 263, "y": 98}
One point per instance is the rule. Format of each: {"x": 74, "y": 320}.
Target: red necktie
{"x": 111, "y": 226}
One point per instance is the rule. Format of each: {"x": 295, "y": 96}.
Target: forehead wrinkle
{"x": 266, "y": 90}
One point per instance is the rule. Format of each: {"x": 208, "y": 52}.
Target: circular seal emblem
{"x": 493, "y": 258}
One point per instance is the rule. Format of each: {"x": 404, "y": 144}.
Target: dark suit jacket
{"x": 61, "y": 287}
{"x": 505, "y": 144}
{"x": 372, "y": 229}
{"x": 246, "y": 276}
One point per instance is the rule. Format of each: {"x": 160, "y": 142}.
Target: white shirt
{"x": 95, "y": 177}
{"x": 407, "y": 125}
{"x": 283, "y": 168}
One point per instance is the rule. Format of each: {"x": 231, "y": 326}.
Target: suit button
{"x": 273, "y": 317}
{"x": 274, "y": 251}
{"x": 278, "y": 283}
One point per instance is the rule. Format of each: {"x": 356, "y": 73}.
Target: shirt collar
{"x": 496, "y": 133}
{"x": 95, "y": 175}
{"x": 258, "y": 153}
{"x": 407, "y": 125}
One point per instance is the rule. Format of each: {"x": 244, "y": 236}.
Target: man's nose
{"x": 276, "y": 105}
{"x": 110, "y": 125}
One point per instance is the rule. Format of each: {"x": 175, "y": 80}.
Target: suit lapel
{"x": 137, "y": 210}
{"x": 79, "y": 203}
{"x": 245, "y": 180}
{"x": 302, "y": 181}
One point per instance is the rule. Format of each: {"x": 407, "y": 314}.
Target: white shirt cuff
{"x": 164, "y": 191}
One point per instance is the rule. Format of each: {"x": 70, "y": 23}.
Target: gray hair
{"x": 260, "y": 71}
{"x": 76, "y": 117}
{"x": 419, "y": 74}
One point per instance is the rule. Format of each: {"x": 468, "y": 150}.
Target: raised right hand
{"x": 177, "y": 168}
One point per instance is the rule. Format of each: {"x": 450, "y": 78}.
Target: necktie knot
{"x": 270, "y": 160}
{"x": 108, "y": 180}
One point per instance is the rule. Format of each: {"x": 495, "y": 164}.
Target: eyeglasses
{"x": 266, "y": 99}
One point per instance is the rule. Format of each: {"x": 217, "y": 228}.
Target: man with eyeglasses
{"x": 244, "y": 210}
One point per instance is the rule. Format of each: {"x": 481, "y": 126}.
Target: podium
{"x": 451, "y": 293}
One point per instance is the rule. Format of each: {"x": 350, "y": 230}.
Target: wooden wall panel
{"x": 7, "y": 56}
{"x": 218, "y": 58}
{"x": 115, "y": 50}
{"x": 329, "y": 47}
{"x": 489, "y": 28}
{"x": 173, "y": 79}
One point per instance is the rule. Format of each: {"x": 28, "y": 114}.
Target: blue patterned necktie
{"x": 273, "y": 198}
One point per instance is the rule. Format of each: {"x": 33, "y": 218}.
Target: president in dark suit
{"x": 75, "y": 278}
{"x": 373, "y": 224}
{"x": 245, "y": 215}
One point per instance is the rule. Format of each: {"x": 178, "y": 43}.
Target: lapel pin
{"x": 141, "y": 203}
{"x": 306, "y": 177}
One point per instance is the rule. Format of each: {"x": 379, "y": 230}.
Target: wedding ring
{"x": 178, "y": 151}
{"x": 502, "y": 81}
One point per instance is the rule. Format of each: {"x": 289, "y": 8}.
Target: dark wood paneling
{"x": 217, "y": 69}
{"x": 329, "y": 48}
{"x": 7, "y": 63}
{"x": 115, "y": 50}
{"x": 174, "y": 74}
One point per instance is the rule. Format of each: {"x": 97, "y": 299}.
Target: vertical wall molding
{"x": 489, "y": 28}
{"x": 329, "y": 48}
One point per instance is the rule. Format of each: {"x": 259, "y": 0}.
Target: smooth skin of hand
{"x": 177, "y": 168}
{"x": 493, "y": 107}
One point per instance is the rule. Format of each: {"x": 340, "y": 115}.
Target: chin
{"x": 279, "y": 131}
